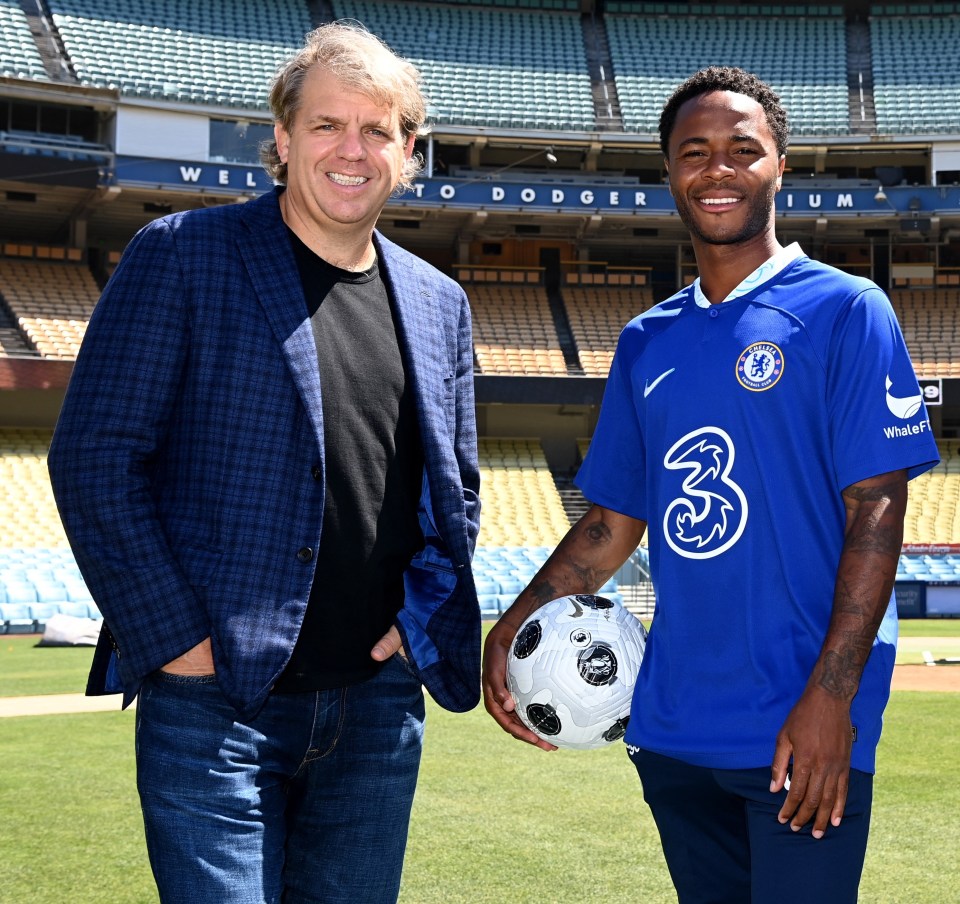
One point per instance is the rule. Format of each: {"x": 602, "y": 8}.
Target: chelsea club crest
{"x": 760, "y": 366}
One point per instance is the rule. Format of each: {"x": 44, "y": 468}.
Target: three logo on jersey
{"x": 711, "y": 513}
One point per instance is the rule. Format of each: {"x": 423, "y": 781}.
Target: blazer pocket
{"x": 428, "y": 584}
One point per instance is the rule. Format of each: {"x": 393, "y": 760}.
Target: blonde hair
{"x": 361, "y": 61}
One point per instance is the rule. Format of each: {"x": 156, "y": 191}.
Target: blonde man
{"x": 266, "y": 464}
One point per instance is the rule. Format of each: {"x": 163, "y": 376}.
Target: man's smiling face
{"x": 344, "y": 154}
{"x": 724, "y": 168}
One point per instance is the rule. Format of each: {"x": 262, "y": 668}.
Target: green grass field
{"x": 494, "y": 821}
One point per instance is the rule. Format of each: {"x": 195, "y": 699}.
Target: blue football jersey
{"x": 731, "y": 430}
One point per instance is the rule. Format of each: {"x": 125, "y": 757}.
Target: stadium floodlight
{"x": 547, "y": 153}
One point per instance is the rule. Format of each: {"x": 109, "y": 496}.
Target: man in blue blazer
{"x": 266, "y": 466}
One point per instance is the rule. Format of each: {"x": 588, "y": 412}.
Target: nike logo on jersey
{"x": 649, "y": 387}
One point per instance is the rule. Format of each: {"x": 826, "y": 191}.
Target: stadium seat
{"x": 16, "y": 618}
{"x": 20, "y": 592}
{"x": 29, "y": 520}
{"x": 75, "y": 609}
{"x": 41, "y": 613}
{"x": 652, "y": 53}
{"x": 916, "y": 81}
{"x": 520, "y": 498}
{"x": 19, "y": 57}
{"x": 513, "y": 330}
{"x": 223, "y": 53}
{"x": 476, "y": 61}
{"x": 485, "y": 585}
{"x": 489, "y": 605}
{"x": 597, "y": 315}
{"x": 77, "y": 590}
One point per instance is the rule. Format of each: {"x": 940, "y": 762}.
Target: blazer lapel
{"x": 420, "y": 323}
{"x": 273, "y": 273}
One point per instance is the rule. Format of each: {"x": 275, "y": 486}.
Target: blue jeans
{"x": 307, "y": 802}
{"x": 724, "y": 845}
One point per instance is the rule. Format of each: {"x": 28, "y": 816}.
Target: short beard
{"x": 758, "y": 220}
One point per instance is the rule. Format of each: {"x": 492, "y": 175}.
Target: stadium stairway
{"x": 572, "y": 499}
{"x": 12, "y": 340}
{"x": 863, "y": 114}
{"x": 561, "y": 323}
{"x": 48, "y": 43}
{"x": 606, "y": 101}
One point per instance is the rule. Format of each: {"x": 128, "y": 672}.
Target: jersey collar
{"x": 764, "y": 273}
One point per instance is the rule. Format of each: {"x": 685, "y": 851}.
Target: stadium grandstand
{"x": 543, "y": 193}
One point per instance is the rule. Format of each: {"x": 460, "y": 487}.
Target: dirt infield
{"x": 913, "y": 675}
{"x": 926, "y": 678}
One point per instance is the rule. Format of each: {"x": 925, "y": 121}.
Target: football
{"x": 572, "y": 668}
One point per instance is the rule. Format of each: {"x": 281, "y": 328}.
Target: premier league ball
{"x": 572, "y": 668}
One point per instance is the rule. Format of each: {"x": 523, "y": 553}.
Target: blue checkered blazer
{"x": 187, "y": 462}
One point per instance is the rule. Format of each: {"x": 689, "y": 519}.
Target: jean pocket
{"x": 407, "y": 666}
{"x": 183, "y": 680}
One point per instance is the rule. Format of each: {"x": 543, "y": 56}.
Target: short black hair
{"x": 726, "y": 78}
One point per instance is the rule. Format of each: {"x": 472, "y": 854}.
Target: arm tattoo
{"x": 543, "y": 591}
{"x": 840, "y": 676}
{"x": 597, "y": 532}
{"x": 597, "y": 535}
{"x": 865, "y": 578}
{"x": 587, "y": 542}
{"x": 871, "y": 529}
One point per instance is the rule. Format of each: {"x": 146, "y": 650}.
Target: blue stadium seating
{"x": 19, "y": 57}
{"x": 15, "y": 618}
{"x": 220, "y": 52}
{"x": 510, "y": 569}
{"x": 485, "y": 66}
{"x": 76, "y": 610}
{"x": 915, "y": 74}
{"x": 20, "y": 591}
{"x": 42, "y": 582}
{"x": 41, "y": 613}
{"x": 652, "y": 53}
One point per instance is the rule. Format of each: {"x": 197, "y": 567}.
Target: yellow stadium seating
{"x": 513, "y": 330}
{"x": 931, "y": 328}
{"x": 521, "y": 505}
{"x": 28, "y": 513}
{"x": 597, "y": 315}
{"x": 52, "y": 302}
{"x": 933, "y": 507}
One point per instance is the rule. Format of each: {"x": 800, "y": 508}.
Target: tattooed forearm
{"x": 875, "y": 517}
{"x": 590, "y": 553}
{"x": 842, "y": 664}
{"x": 584, "y": 554}
{"x": 865, "y": 576}
{"x": 597, "y": 532}
{"x": 840, "y": 674}
{"x": 585, "y": 559}
{"x": 856, "y": 602}
{"x": 543, "y": 591}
